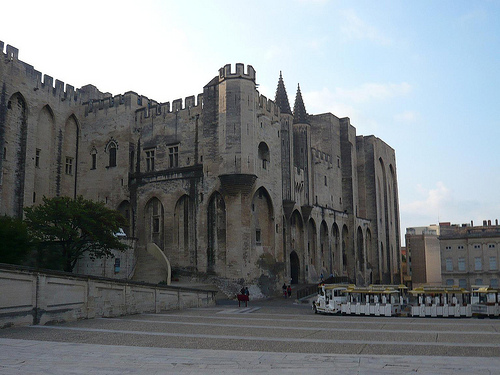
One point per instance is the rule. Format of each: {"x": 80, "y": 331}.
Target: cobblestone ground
{"x": 274, "y": 336}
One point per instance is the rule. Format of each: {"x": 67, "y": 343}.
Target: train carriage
{"x": 485, "y": 301}
{"x": 440, "y": 301}
{"x": 377, "y": 300}
{"x": 330, "y": 298}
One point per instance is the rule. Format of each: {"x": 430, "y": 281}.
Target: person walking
{"x": 289, "y": 291}
{"x": 284, "y": 290}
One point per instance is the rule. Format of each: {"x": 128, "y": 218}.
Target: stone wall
{"x": 31, "y": 297}
{"x": 217, "y": 183}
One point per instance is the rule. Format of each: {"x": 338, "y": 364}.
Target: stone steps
{"x": 148, "y": 269}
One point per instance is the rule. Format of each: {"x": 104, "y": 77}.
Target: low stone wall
{"x": 28, "y": 296}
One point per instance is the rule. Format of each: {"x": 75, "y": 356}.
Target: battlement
{"x": 268, "y": 106}
{"x": 100, "y": 101}
{"x": 65, "y": 92}
{"x": 226, "y": 73}
{"x": 155, "y": 109}
{"x": 319, "y": 156}
{"x": 87, "y": 95}
{"x": 11, "y": 53}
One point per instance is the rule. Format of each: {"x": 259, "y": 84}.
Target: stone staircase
{"x": 148, "y": 269}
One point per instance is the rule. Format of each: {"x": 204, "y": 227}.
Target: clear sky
{"x": 423, "y": 75}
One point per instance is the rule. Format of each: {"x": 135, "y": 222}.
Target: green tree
{"x": 64, "y": 229}
{"x": 15, "y": 243}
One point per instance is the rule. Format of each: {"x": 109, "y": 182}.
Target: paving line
{"x": 272, "y": 339}
{"x": 300, "y": 328}
{"x": 356, "y": 320}
{"x": 246, "y": 310}
{"x": 401, "y": 319}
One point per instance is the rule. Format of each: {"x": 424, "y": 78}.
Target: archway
{"x": 47, "y": 173}
{"x": 183, "y": 233}
{"x": 13, "y": 138}
{"x": 325, "y": 248}
{"x": 68, "y": 159}
{"x": 336, "y": 251}
{"x": 346, "y": 261}
{"x": 125, "y": 210}
{"x": 262, "y": 220}
{"x": 297, "y": 241}
{"x": 361, "y": 250}
{"x": 311, "y": 243}
{"x": 294, "y": 267}
{"x": 154, "y": 217}
{"x": 216, "y": 220}
{"x": 263, "y": 155}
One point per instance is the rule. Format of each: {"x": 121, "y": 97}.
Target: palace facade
{"x": 226, "y": 183}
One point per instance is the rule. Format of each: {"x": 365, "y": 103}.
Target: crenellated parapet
{"x": 268, "y": 106}
{"x": 226, "y": 73}
{"x": 320, "y": 157}
{"x": 105, "y": 101}
{"x": 37, "y": 80}
{"x": 156, "y": 109}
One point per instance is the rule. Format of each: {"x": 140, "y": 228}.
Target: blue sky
{"x": 421, "y": 75}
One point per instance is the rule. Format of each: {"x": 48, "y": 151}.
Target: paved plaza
{"x": 274, "y": 336}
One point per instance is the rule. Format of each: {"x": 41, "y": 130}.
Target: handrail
{"x": 160, "y": 256}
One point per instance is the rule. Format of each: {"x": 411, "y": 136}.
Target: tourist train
{"x": 397, "y": 300}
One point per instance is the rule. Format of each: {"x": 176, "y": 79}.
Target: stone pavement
{"x": 269, "y": 337}
{"x": 55, "y": 358}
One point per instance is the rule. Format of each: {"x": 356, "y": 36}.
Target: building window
{"x": 477, "y": 264}
{"x": 462, "y": 283}
{"x": 449, "y": 264}
{"x": 448, "y": 247}
{"x": 150, "y": 160}
{"x": 37, "y": 157}
{"x": 494, "y": 283}
{"x": 461, "y": 264}
{"x": 493, "y": 264}
{"x": 477, "y": 246}
{"x": 155, "y": 217}
{"x": 69, "y": 165}
{"x": 257, "y": 236}
{"x": 173, "y": 156}
{"x": 491, "y": 246}
{"x": 264, "y": 155}
{"x": 326, "y": 181}
{"x": 112, "y": 154}
{"x": 460, "y": 247}
{"x": 449, "y": 282}
{"x": 94, "y": 159}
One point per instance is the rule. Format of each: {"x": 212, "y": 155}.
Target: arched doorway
{"x": 294, "y": 267}
{"x": 297, "y": 245}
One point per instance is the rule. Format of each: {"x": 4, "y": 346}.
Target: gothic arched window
{"x": 111, "y": 150}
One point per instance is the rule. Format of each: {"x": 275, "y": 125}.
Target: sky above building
{"x": 421, "y": 75}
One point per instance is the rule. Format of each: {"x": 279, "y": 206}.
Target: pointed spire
{"x": 281, "y": 98}
{"x": 299, "y": 109}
